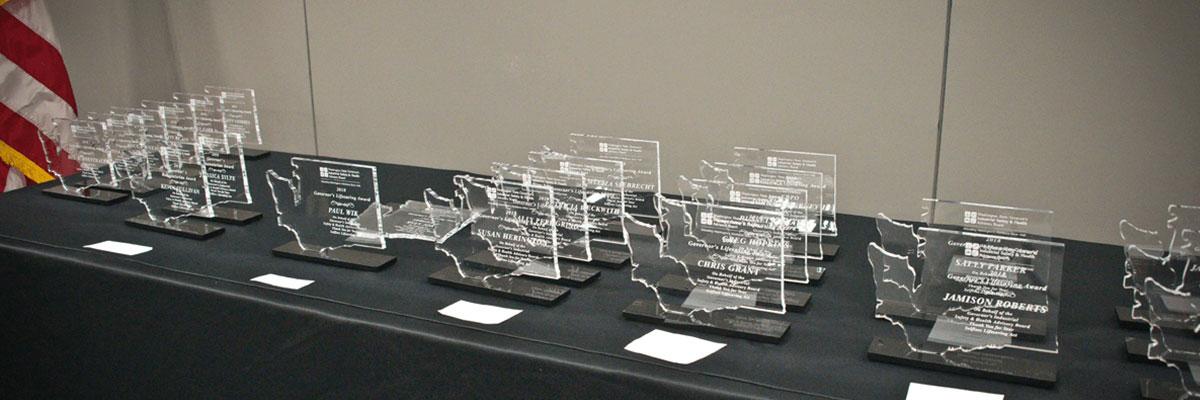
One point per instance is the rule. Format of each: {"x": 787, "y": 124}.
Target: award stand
{"x": 124, "y": 186}
{"x": 188, "y": 229}
{"x": 732, "y": 323}
{"x": 513, "y": 288}
{"x": 826, "y": 250}
{"x": 572, "y": 274}
{"x": 339, "y": 257}
{"x": 800, "y": 273}
{"x": 254, "y": 154}
{"x": 1126, "y": 319}
{"x": 982, "y": 364}
{"x": 1161, "y": 390}
{"x": 796, "y": 301}
{"x": 223, "y": 214}
{"x": 86, "y": 195}
{"x": 609, "y": 255}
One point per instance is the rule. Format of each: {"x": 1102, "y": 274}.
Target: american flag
{"x": 34, "y": 90}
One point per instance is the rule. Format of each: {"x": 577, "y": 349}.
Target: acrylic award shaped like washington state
{"x": 975, "y": 290}
{"x": 332, "y": 210}
{"x": 83, "y": 145}
{"x": 240, "y": 111}
{"x": 511, "y": 245}
{"x": 795, "y": 206}
{"x": 224, "y": 162}
{"x": 711, "y": 267}
{"x": 814, "y": 182}
{"x": 1160, "y": 270}
{"x": 582, "y": 197}
{"x": 604, "y": 182}
{"x": 640, "y": 163}
{"x": 170, "y": 153}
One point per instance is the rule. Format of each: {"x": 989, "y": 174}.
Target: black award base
{"x": 732, "y": 323}
{"x": 573, "y": 274}
{"x": 824, "y": 249}
{"x": 609, "y": 255}
{"x": 254, "y": 154}
{"x": 189, "y": 229}
{"x": 343, "y": 257}
{"x": 89, "y": 195}
{"x": 1126, "y": 319}
{"x": 1161, "y": 390}
{"x": 796, "y": 301}
{"x": 225, "y": 215}
{"x": 523, "y": 290}
{"x": 123, "y": 186}
{"x": 979, "y": 364}
{"x": 798, "y": 273}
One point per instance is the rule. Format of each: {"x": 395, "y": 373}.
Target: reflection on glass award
{"x": 80, "y": 145}
{"x": 711, "y": 267}
{"x": 513, "y": 235}
{"x": 240, "y": 116}
{"x": 640, "y": 163}
{"x": 813, "y": 182}
{"x": 604, "y": 186}
{"x": 1159, "y": 271}
{"x": 330, "y": 207}
{"x": 171, "y": 164}
{"x": 983, "y": 304}
{"x": 792, "y": 202}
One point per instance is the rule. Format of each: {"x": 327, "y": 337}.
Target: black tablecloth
{"x": 185, "y": 320}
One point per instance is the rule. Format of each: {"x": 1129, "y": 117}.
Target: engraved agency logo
{"x": 970, "y": 217}
{"x": 603, "y": 147}
{"x": 323, "y": 172}
{"x": 971, "y": 249}
{"x": 755, "y": 177}
{"x": 772, "y": 161}
{"x": 706, "y": 218}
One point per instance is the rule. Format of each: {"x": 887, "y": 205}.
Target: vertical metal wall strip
{"x": 937, "y": 152}
{"x": 312, "y": 99}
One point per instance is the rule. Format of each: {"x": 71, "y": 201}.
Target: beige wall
{"x": 256, "y": 44}
{"x": 1088, "y": 108}
{"x": 117, "y": 52}
{"x": 458, "y": 85}
{"x": 1091, "y": 109}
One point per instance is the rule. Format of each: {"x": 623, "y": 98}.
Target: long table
{"x": 185, "y": 320}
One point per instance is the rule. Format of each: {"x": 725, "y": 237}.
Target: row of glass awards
{"x": 1161, "y": 264}
{"x": 973, "y": 289}
{"x": 183, "y": 159}
{"x": 718, "y": 257}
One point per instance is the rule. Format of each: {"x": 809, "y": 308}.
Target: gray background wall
{"x": 1087, "y": 108}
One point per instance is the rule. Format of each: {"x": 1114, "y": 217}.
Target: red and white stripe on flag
{"x": 34, "y": 90}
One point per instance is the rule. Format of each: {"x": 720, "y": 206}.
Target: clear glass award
{"x": 970, "y": 297}
{"x": 80, "y": 145}
{"x": 434, "y": 219}
{"x": 569, "y": 206}
{"x": 239, "y": 109}
{"x": 793, "y": 202}
{"x": 813, "y": 182}
{"x": 818, "y": 163}
{"x": 641, "y": 165}
{"x": 174, "y": 166}
{"x": 513, "y": 235}
{"x": 1159, "y": 271}
{"x": 711, "y": 267}
{"x": 604, "y": 182}
{"x": 330, "y": 207}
